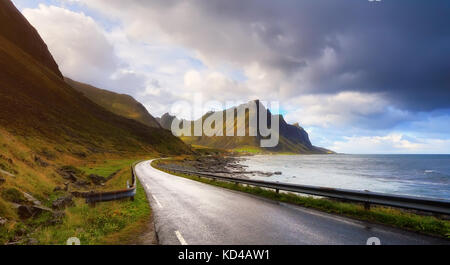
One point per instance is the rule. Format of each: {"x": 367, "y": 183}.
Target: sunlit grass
{"x": 249, "y": 149}
{"x": 115, "y": 222}
{"x": 106, "y": 167}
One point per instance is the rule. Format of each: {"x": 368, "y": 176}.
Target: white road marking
{"x": 157, "y": 202}
{"x": 180, "y": 238}
{"x": 146, "y": 185}
{"x": 325, "y": 215}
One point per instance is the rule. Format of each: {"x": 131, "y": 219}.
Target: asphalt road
{"x": 194, "y": 213}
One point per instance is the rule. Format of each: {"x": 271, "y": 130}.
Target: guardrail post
{"x": 277, "y": 190}
{"x": 367, "y": 206}
{"x": 91, "y": 202}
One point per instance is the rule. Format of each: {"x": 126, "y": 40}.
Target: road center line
{"x": 180, "y": 238}
{"x": 157, "y": 202}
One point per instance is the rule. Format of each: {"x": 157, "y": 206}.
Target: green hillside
{"x": 293, "y": 138}
{"x": 120, "y": 104}
{"x": 46, "y": 126}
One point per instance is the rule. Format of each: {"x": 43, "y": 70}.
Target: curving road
{"x": 194, "y": 213}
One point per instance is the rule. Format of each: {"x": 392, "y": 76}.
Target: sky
{"x": 359, "y": 76}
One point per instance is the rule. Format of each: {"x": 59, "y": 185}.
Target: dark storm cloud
{"x": 398, "y": 48}
{"x": 401, "y": 48}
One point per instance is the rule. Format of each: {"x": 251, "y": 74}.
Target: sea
{"x": 414, "y": 175}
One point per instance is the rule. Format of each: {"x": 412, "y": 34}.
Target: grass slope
{"x": 115, "y": 222}
{"x": 15, "y": 28}
{"x": 293, "y": 139}
{"x": 120, "y": 104}
{"x": 46, "y": 124}
{"x": 35, "y": 102}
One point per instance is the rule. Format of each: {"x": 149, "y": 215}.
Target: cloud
{"x": 213, "y": 85}
{"x": 395, "y": 47}
{"x": 391, "y": 143}
{"x": 346, "y": 110}
{"x": 78, "y": 44}
{"x": 88, "y": 53}
{"x": 338, "y": 67}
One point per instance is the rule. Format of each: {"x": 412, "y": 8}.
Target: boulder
{"x": 27, "y": 211}
{"x": 96, "y": 179}
{"x": 82, "y": 183}
{"x": 57, "y": 218}
{"x": 69, "y": 173}
{"x": 31, "y": 199}
{"x": 63, "y": 202}
{"x": 71, "y": 177}
{"x": 3, "y": 221}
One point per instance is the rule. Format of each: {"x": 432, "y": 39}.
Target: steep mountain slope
{"x": 120, "y": 104}
{"x": 15, "y": 28}
{"x": 34, "y": 101}
{"x": 293, "y": 138}
{"x": 46, "y": 124}
{"x": 166, "y": 120}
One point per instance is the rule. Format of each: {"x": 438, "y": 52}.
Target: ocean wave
{"x": 388, "y": 174}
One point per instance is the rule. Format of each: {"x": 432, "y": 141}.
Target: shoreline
{"x": 271, "y": 169}
{"x": 411, "y": 220}
{"x": 228, "y": 166}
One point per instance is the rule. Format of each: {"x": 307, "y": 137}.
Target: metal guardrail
{"x": 129, "y": 192}
{"x": 366, "y": 197}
